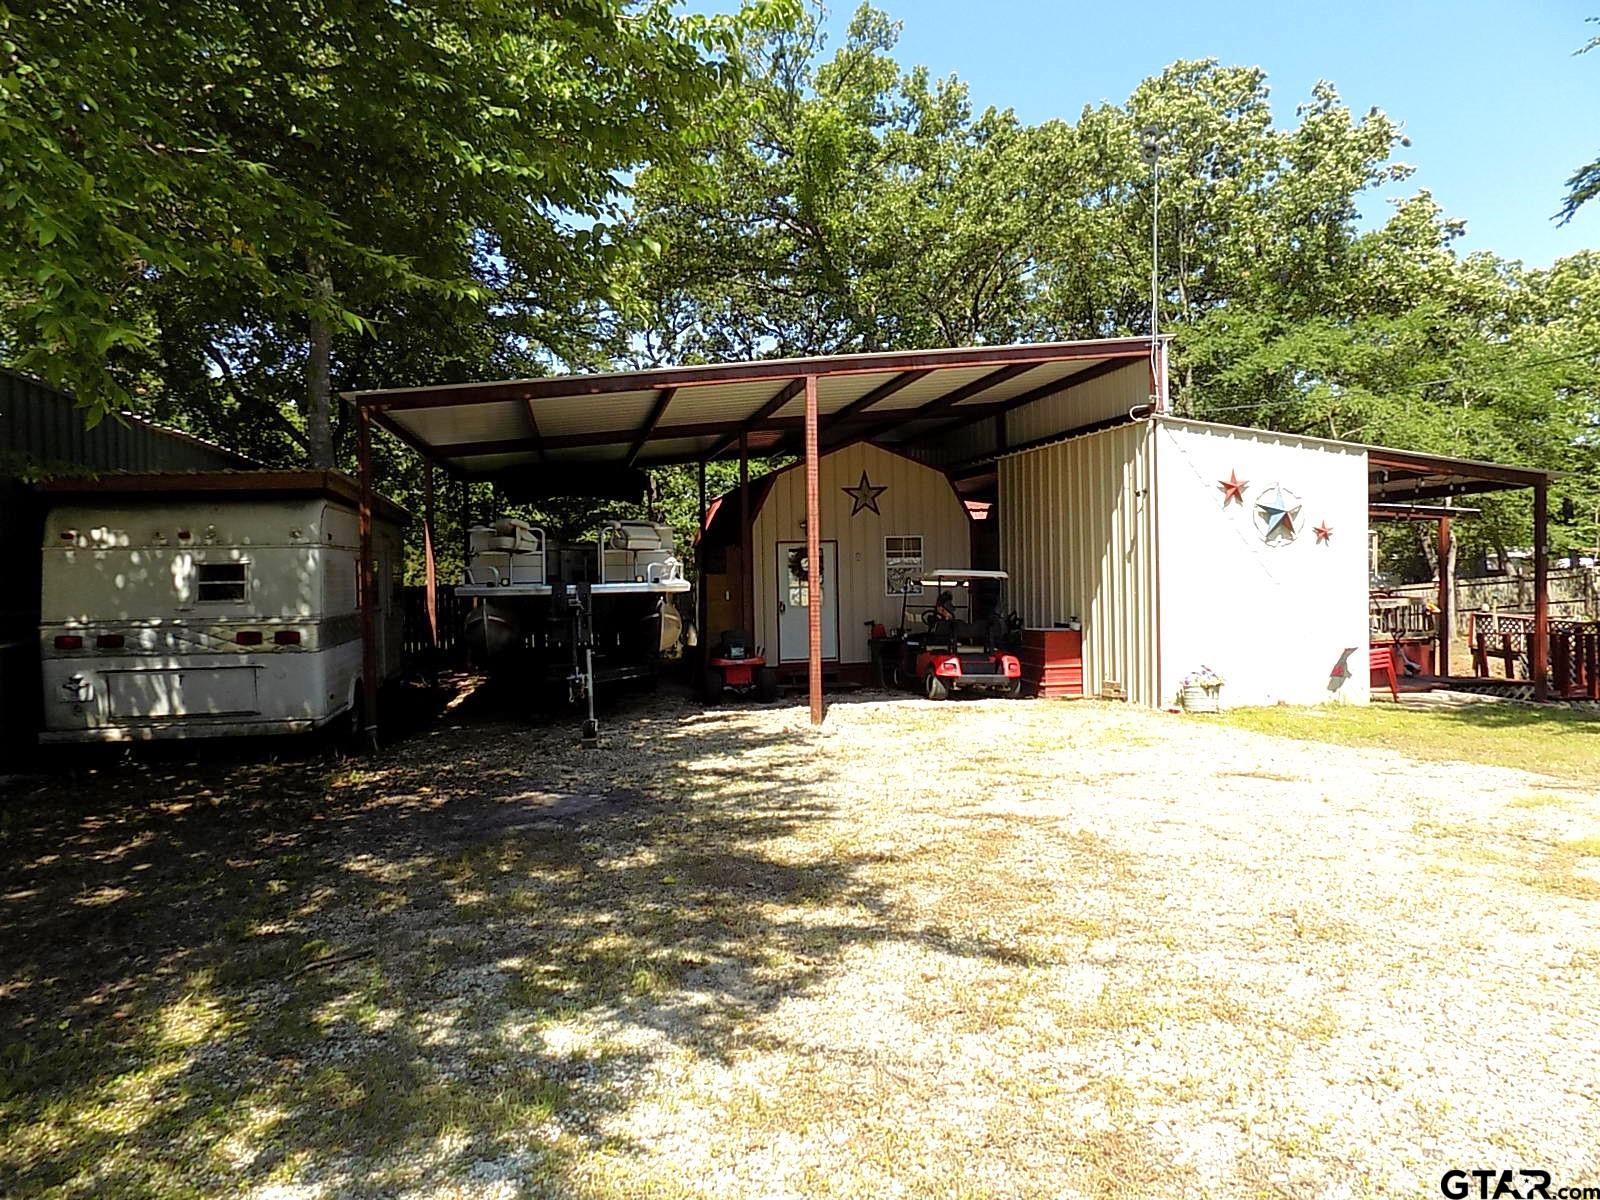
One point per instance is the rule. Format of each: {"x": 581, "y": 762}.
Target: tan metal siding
{"x": 1078, "y": 535}
{"x": 919, "y": 500}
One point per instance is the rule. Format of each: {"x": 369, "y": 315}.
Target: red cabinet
{"x": 1052, "y": 662}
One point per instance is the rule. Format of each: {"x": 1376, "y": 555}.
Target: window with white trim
{"x": 902, "y": 564}
{"x": 220, "y": 583}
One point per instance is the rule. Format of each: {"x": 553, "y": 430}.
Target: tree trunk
{"x": 318, "y": 409}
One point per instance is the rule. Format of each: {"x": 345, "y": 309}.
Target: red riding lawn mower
{"x": 954, "y": 652}
{"x": 731, "y": 667}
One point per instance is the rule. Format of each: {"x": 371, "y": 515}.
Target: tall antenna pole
{"x": 1150, "y": 150}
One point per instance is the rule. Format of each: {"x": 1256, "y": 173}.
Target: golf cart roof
{"x": 961, "y": 575}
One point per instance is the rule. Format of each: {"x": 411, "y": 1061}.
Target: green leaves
{"x": 1584, "y": 185}
{"x": 861, "y": 205}
{"x": 173, "y": 167}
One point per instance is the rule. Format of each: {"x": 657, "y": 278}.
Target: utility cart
{"x": 964, "y": 643}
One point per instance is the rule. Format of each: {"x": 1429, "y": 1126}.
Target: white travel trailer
{"x": 210, "y": 604}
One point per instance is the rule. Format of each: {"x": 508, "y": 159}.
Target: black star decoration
{"x": 864, "y": 495}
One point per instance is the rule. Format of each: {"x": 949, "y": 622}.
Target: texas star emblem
{"x": 864, "y": 495}
{"x": 1278, "y": 515}
{"x": 1232, "y": 489}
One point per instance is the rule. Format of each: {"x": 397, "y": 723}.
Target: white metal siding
{"x": 1077, "y": 534}
{"x": 918, "y": 500}
{"x": 1273, "y": 620}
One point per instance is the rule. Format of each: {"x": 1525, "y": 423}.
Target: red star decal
{"x": 1232, "y": 488}
{"x": 1323, "y": 532}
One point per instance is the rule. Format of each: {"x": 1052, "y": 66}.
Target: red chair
{"x": 1380, "y": 660}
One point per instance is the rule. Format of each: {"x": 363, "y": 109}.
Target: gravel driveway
{"x": 978, "y": 949}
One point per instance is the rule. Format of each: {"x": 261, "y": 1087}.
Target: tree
{"x": 1584, "y": 185}
{"x": 867, "y": 207}
{"x": 219, "y": 193}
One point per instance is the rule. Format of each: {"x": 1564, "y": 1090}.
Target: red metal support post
{"x": 813, "y": 555}
{"x": 700, "y": 560}
{"x": 1446, "y": 594}
{"x": 430, "y": 579}
{"x": 1539, "y": 652}
{"x": 368, "y": 590}
{"x": 747, "y": 592}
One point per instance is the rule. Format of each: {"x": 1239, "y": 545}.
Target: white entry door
{"x": 794, "y": 598}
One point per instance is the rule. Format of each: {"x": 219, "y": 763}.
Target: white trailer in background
{"x": 210, "y": 604}
{"x": 565, "y": 619}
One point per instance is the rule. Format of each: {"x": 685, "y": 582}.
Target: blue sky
{"x": 1499, "y": 110}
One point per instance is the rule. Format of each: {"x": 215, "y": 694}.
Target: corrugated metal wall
{"x": 1110, "y": 395}
{"x": 1078, "y": 535}
{"x": 917, "y": 499}
{"x": 46, "y": 426}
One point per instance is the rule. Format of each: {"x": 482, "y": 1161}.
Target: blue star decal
{"x": 1278, "y": 514}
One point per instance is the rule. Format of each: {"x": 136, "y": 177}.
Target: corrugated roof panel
{"x": 836, "y": 391}
{"x": 1029, "y": 380}
{"x": 930, "y": 388}
{"x": 675, "y": 448}
{"x": 494, "y": 462}
{"x": 569, "y": 415}
{"x": 45, "y": 426}
{"x": 444, "y": 427}
{"x": 721, "y": 401}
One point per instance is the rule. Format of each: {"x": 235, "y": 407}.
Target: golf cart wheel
{"x": 935, "y": 688}
{"x": 889, "y": 676}
{"x": 1012, "y": 690}
{"x": 766, "y": 684}
{"x": 711, "y": 685}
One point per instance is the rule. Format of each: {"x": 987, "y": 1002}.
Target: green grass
{"x": 1559, "y": 742}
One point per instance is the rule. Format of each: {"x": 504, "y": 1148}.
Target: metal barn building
{"x": 886, "y": 518}
{"x": 1176, "y": 545}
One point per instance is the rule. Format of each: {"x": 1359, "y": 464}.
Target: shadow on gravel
{"x": 233, "y": 967}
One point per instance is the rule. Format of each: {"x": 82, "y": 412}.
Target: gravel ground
{"x": 986, "y": 948}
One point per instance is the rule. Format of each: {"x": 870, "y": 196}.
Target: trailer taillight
{"x": 69, "y": 535}
{"x": 68, "y": 641}
{"x": 248, "y": 637}
{"x": 286, "y": 637}
{"x": 108, "y": 641}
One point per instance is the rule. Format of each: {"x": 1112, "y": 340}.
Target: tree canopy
{"x": 867, "y": 206}
{"x": 202, "y": 196}
{"x": 218, "y": 214}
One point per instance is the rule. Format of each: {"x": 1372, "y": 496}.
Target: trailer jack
{"x": 579, "y": 604}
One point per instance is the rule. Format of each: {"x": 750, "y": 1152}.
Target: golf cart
{"x": 963, "y": 644}
{"x": 731, "y": 667}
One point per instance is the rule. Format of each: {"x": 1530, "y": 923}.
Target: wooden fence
{"x": 1574, "y": 594}
{"x": 452, "y": 610}
{"x": 1574, "y": 651}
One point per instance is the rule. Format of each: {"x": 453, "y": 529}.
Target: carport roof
{"x": 691, "y": 413}
{"x": 1405, "y": 476}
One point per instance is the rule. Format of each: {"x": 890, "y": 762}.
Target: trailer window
{"x": 902, "y": 565}
{"x": 220, "y": 583}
